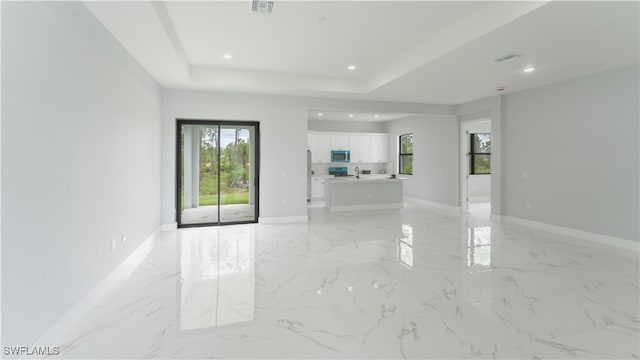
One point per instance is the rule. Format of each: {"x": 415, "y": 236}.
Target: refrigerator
{"x": 308, "y": 175}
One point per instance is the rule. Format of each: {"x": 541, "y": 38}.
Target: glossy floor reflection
{"x": 416, "y": 283}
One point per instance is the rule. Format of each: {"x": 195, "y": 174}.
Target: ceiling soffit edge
{"x": 238, "y": 79}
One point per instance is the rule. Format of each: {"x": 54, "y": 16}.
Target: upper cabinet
{"x": 380, "y": 148}
{"x": 340, "y": 142}
{"x": 320, "y": 146}
{"x": 360, "y": 148}
{"x": 365, "y": 148}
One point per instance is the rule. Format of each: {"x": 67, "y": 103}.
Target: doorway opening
{"x": 475, "y": 140}
{"x": 217, "y": 172}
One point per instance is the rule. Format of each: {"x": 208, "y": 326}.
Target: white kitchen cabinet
{"x": 355, "y": 148}
{"x": 317, "y": 188}
{"x": 340, "y": 142}
{"x": 380, "y": 148}
{"x": 361, "y": 148}
{"x": 320, "y": 146}
{"x": 365, "y": 148}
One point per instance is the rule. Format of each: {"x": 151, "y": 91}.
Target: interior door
{"x": 217, "y": 172}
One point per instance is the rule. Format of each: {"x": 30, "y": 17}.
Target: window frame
{"x": 401, "y": 154}
{"x": 472, "y": 153}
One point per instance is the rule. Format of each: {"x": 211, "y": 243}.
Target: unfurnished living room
{"x": 320, "y": 179}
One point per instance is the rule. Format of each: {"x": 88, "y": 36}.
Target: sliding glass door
{"x": 217, "y": 172}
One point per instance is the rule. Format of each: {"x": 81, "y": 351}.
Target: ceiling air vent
{"x": 507, "y": 57}
{"x": 261, "y": 6}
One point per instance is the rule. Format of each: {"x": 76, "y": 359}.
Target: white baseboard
{"x": 431, "y": 203}
{"x": 282, "y": 219}
{"x": 169, "y": 227}
{"x": 366, "y": 207}
{"x": 55, "y": 334}
{"x": 475, "y": 199}
{"x": 598, "y": 238}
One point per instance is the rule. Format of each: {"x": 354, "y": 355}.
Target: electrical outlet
{"x": 528, "y": 205}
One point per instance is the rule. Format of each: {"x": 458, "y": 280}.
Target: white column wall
{"x": 80, "y": 161}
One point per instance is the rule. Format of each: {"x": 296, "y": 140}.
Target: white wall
{"x": 283, "y": 139}
{"x": 283, "y": 147}
{"x": 80, "y": 161}
{"x": 479, "y": 127}
{"x": 435, "y": 160}
{"x": 479, "y": 188}
{"x": 571, "y": 150}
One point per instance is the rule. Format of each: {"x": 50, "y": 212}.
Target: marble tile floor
{"x": 415, "y": 283}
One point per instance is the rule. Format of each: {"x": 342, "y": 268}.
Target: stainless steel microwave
{"x": 340, "y": 155}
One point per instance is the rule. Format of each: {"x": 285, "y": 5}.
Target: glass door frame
{"x": 219, "y": 124}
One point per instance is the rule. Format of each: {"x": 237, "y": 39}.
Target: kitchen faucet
{"x": 357, "y": 173}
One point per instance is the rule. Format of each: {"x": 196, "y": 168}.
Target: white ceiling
{"x": 353, "y": 116}
{"x": 437, "y": 52}
{"x": 375, "y": 36}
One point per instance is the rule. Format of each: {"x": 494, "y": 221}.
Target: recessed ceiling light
{"x": 350, "y": 115}
{"x": 376, "y": 116}
{"x": 351, "y": 67}
{"x": 320, "y": 114}
{"x": 529, "y": 69}
{"x": 227, "y": 56}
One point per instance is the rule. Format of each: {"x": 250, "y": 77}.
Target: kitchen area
{"x": 351, "y": 171}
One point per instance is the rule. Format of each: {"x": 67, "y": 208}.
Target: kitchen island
{"x": 350, "y": 193}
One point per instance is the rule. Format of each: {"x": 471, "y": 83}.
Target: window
{"x": 406, "y": 154}
{"x": 480, "y": 155}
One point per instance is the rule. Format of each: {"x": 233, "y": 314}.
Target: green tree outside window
{"x": 405, "y": 160}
